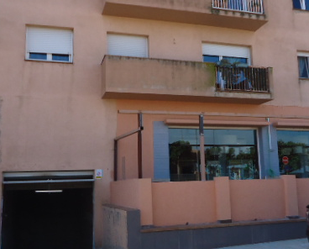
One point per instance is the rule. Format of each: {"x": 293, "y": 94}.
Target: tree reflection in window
{"x": 297, "y": 158}
{"x": 228, "y": 152}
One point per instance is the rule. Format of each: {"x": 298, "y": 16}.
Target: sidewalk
{"x": 284, "y": 244}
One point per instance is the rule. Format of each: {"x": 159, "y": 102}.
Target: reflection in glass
{"x": 228, "y": 152}
{"x": 293, "y": 152}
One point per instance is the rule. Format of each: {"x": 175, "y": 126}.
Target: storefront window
{"x": 228, "y": 152}
{"x": 293, "y": 152}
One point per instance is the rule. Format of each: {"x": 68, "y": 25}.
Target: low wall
{"x": 257, "y": 199}
{"x": 179, "y": 203}
{"x": 122, "y": 230}
{"x": 134, "y": 193}
{"x": 223, "y": 200}
{"x": 303, "y": 195}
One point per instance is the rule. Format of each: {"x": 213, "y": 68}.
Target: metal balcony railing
{"x": 249, "y": 6}
{"x": 242, "y": 79}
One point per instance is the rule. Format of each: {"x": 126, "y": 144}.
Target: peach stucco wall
{"x": 257, "y": 199}
{"x": 52, "y": 116}
{"x": 303, "y": 195}
{"x": 196, "y": 202}
{"x": 134, "y": 193}
{"x": 176, "y": 203}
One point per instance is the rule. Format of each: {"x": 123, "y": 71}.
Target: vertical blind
{"x": 127, "y": 45}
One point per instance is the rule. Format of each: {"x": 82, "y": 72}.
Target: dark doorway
{"x": 61, "y": 220}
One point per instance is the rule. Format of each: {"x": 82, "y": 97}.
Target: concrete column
{"x": 223, "y": 199}
{"x": 290, "y": 196}
{"x": 268, "y": 148}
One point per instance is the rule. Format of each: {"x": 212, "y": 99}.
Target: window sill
{"x": 301, "y": 10}
{"x": 46, "y": 61}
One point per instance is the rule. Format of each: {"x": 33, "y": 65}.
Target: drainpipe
{"x": 139, "y": 146}
{"x": 202, "y": 149}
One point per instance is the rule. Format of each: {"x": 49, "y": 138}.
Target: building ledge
{"x": 198, "y": 12}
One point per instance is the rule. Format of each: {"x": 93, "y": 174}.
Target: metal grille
{"x": 251, "y": 6}
{"x": 242, "y": 79}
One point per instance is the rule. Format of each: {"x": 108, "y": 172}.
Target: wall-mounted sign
{"x": 98, "y": 173}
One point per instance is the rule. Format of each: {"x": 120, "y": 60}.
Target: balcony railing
{"x": 243, "y": 79}
{"x": 249, "y": 6}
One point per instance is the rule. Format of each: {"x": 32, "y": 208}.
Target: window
{"x": 228, "y": 152}
{"x": 49, "y": 44}
{"x": 301, "y": 4}
{"x": 303, "y": 65}
{"x": 230, "y": 54}
{"x": 127, "y": 45}
{"x": 293, "y": 151}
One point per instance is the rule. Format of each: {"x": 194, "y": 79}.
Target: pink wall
{"x": 178, "y": 203}
{"x": 257, "y": 199}
{"x": 196, "y": 202}
{"x": 303, "y": 195}
{"x": 134, "y": 193}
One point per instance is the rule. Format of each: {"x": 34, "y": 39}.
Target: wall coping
{"x": 151, "y": 229}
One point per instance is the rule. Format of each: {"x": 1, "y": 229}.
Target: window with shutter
{"x": 49, "y": 44}
{"x": 127, "y": 45}
{"x": 234, "y": 54}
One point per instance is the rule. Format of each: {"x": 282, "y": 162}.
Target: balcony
{"x": 158, "y": 79}
{"x": 236, "y": 14}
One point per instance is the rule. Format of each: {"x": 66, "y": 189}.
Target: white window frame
{"x": 127, "y": 45}
{"x": 49, "y": 42}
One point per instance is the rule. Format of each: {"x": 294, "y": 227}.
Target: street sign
{"x": 285, "y": 160}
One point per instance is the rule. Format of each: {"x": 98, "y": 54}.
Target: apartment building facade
{"x": 192, "y": 113}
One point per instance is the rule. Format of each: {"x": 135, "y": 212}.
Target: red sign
{"x": 285, "y": 160}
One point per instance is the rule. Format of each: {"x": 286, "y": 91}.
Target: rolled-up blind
{"x": 127, "y": 45}
{"x": 49, "y": 40}
{"x": 226, "y": 50}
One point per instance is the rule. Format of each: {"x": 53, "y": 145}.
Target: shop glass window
{"x": 293, "y": 152}
{"x": 228, "y": 152}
